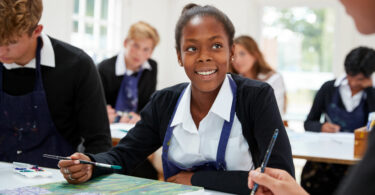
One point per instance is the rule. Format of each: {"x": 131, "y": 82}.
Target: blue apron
{"x": 171, "y": 168}
{"x": 127, "y": 98}
{"x": 348, "y": 121}
{"x": 26, "y": 128}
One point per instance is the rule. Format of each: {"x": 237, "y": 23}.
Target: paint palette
{"x": 30, "y": 171}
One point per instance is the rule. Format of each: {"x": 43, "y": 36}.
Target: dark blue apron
{"x": 127, "y": 98}
{"x": 26, "y": 128}
{"x": 348, "y": 121}
{"x": 171, "y": 168}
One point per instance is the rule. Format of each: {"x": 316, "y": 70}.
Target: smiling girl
{"x": 214, "y": 129}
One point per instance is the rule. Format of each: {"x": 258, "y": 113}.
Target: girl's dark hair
{"x": 191, "y": 10}
{"x": 360, "y": 60}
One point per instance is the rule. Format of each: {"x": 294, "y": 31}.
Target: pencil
{"x": 83, "y": 161}
{"x": 266, "y": 158}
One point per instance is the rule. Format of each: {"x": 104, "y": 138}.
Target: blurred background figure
{"x": 129, "y": 78}
{"x": 249, "y": 62}
{"x": 345, "y": 103}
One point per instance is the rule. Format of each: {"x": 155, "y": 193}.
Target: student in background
{"x": 129, "y": 78}
{"x": 214, "y": 129}
{"x": 51, "y": 98}
{"x": 248, "y": 61}
{"x": 345, "y": 103}
{"x": 360, "y": 179}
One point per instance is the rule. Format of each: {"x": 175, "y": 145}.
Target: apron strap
{"x": 1, "y": 76}
{"x": 224, "y": 137}
{"x": 38, "y": 72}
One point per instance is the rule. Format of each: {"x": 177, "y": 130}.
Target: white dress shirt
{"x": 121, "y": 65}
{"x": 190, "y": 146}
{"x": 47, "y": 56}
{"x": 350, "y": 102}
{"x": 277, "y": 83}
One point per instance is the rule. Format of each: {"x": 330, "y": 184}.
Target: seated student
{"x": 360, "y": 179}
{"x": 51, "y": 98}
{"x": 129, "y": 78}
{"x": 213, "y": 130}
{"x": 346, "y": 103}
{"x": 249, "y": 62}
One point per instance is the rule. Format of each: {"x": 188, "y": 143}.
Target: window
{"x": 299, "y": 43}
{"x": 94, "y": 27}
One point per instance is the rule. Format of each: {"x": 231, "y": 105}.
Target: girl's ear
{"x": 179, "y": 58}
{"x": 231, "y": 57}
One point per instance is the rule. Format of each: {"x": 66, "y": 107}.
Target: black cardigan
{"x": 322, "y": 100}
{"x": 112, "y": 83}
{"x": 74, "y": 95}
{"x": 259, "y": 116}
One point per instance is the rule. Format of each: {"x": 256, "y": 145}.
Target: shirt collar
{"x": 221, "y": 106}
{"x": 47, "y": 56}
{"x": 341, "y": 81}
{"x": 223, "y": 102}
{"x": 121, "y": 66}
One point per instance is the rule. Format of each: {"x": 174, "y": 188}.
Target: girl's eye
{"x": 191, "y": 49}
{"x": 217, "y": 46}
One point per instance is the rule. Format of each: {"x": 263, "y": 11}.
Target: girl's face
{"x": 243, "y": 61}
{"x": 205, "y": 53}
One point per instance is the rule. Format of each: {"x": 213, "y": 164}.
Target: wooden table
{"x": 323, "y": 147}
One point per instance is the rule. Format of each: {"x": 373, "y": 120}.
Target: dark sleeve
{"x": 89, "y": 107}
{"x": 224, "y": 181}
{"x": 312, "y": 122}
{"x": 103, "y": 77}
{"x": 361, "y": 177}
{"x": 266, "y": 120}
{"x": 139, "y": 143}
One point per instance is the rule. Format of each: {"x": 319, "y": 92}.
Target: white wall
{"x": 163, "y": 14}
{"x": 56, "y": 18}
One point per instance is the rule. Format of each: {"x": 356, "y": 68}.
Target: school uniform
{"x": 51, "y": 105}
{"x": 129, "y": 91}
{"x": 220, "y": 157}
{"x": 112, "y": 73}
{"x": 349, "y": 112}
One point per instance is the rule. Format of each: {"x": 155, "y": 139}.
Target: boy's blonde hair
{"x": 18, "y": 17}
{"x": 142, "y": 30}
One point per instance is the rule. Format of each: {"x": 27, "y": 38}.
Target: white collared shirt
{"x": 47, "y": 56}
{"x": 121, "y": 65}
{"x": 350, "y": 102}
{"x": 190, "y": 146}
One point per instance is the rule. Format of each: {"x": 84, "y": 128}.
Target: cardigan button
{"x": 19, "y": 151}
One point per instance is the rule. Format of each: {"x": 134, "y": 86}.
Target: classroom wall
{"x": 245, "y": 14}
